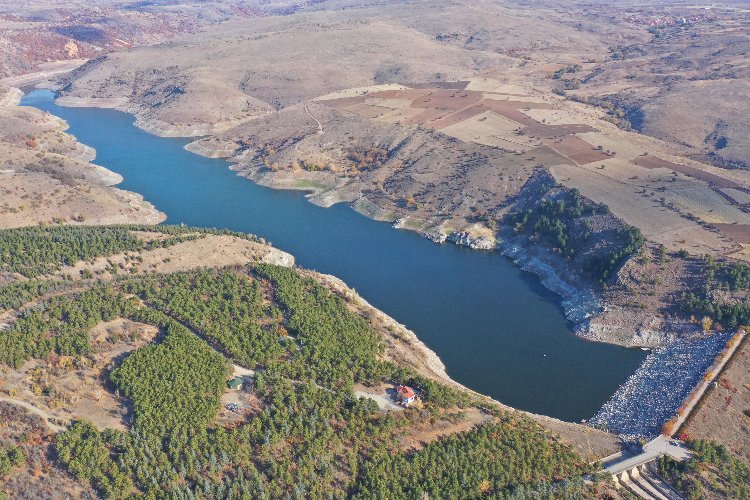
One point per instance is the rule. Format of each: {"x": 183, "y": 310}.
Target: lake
{"x": 495, "y": 327}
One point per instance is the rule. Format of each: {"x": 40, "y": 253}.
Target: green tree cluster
{"x": 175, "y": 385}
{"x": 561, "y": 221}
{"x": 84, "y": 450}
{"x": 712, "y": 472}
{"x": 10, "y": 457}
{"x": 61, "y": 324}
{"x": 467, "y": 465}
{"x": 226, "y": 307}
{"x": 17, "y": 294}
{"x": 32, "y": 251}
{"x": 726, "y": 276}
{"x": 335, "y": 346}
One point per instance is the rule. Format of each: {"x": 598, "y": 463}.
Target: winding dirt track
{"x": 320, "y": 125}
{"x": 37, "y": 411}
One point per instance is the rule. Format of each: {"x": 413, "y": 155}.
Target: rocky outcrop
{"x": 579, "y": 300}
{"x": 477, "y": 242}
{"x": 278, "y": 258}
{"x": 633, "y": 328}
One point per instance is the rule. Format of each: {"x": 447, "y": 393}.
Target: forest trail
{"x": 37, "y": 411}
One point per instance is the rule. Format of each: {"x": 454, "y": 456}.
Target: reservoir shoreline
{"x": 563, "y": 376}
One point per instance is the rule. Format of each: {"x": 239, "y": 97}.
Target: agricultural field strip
{"x": 480, "y": 103}
{"x": 566, "y": 139}
{"x": 715, "y": 181}
{"x": 681, "y": 195}
{"x": 630, "y": 207}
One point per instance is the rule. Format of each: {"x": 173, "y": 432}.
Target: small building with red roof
{"x": 405, "y": 395}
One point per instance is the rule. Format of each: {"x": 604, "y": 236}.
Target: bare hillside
{"x": 46, "y": 175}
{"x": 214, "y": 79}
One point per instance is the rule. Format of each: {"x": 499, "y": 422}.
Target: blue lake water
{"x": 495, "y": 327}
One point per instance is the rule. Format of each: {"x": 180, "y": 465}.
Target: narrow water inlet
{"x": 497, "y": 330}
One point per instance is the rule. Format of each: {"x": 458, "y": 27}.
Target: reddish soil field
{"x": 367, "y": 111}
{"x": 543, "y": 131}
{"x": 400, "y": 94}
{"x": 457, "y": 117}
{"x": 427, "y": 115}
{"x": 738, "y": 232}
{"x": 386, "y": 94}
{"x": 714, "y": 180}
{"x": 447, "y": 99}
{"x": 443, "y": 107}
{"x": 546, "y": 156}
{"x": 516, "y": 115}
{"x": 578, "y": 150}
{"x": 511, "y": 110}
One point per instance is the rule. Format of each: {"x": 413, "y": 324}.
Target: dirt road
{"x": 37, "y": 411}
{"x": 320, "y": 125}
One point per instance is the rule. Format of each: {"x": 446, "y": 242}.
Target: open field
{"x": 683, "y": 81}
{"x": 206, "y": 251}
{"x": 34, "y": 197}
{"x": 491, "y": 129}
{"x": 67, "y": 392}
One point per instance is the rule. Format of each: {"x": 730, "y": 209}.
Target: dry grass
{"x": 207, "y": 251}
{"x": 57, "y": 387}
{"x": 45, "y": 176}
{"x": 724, "y": 413}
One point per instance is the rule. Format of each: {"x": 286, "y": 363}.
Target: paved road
{"x": 662, "y": 445}
{"x": 384, "y": 401}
